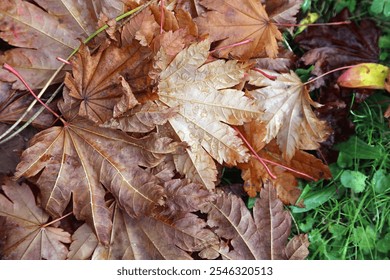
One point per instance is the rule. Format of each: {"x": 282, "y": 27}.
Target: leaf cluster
{"x": 152, "y": 109}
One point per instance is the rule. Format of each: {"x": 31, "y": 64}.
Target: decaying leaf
{"x": 236, "y": 21}
{"x": 206, "y": 104}
{"x": 263, "y": 236}
{"x": 287, "y": 113}
{"x": 27, "y": 235}
{"x": 330, "y": 47}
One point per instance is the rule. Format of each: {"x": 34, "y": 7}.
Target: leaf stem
{"x": 312, "y": 24}
{"x": 254, "y": 153}
{"x": 327, "y": 73}
{"x": 273, "y": 78}
{"x": 162, "y": 20}
{"x": 263, "y": 161}
{"x": 17, "y": 74}
{"x": 232, "y": 45}
{"x": 56, "y": 220}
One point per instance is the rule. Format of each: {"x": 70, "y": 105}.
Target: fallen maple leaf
{"x": 79, "y": 159}
{"x": 27, "y": 235}
{"x": 236, "y": 21}
{"x": 287, "y": 113}
{"x": 169, "y": 236}
{"x": 206, "y": 105}
{"x": 96, "y": 90}
{"x": 41, "y": 35}
{"x": 263, "y": 236}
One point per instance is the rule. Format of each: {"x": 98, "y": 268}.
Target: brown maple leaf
{"x": 82, "y": 161}
{"x": 287, "y": 113}
{"x": 46, "y": 32}
{"x": 236, "y": 21}
{"x": 28, "y": 236}
{"x": 262, "y": 236}
{"x": 97, "y": 90}
{"x": 172, "y": 232}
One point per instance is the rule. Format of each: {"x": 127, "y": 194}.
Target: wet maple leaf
{"x": 206, "y": 105}
{"x": 79, "y": 159}
{"x": 236, "y": 21}
{"x": 262, "y": 236}
{"x": 288, "y": 114}
{"x": 27, "y": 235}
{"x": 46, "y": 32}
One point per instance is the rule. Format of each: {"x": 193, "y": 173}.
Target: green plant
{"x": 348, "y": 217}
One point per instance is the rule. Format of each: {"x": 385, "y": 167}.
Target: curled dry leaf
{"x": 236, "y": 21}
{"x": 79, "y": 159}
{"x": 288, "y": 114}
{"x": 27, "y": 236}
{"x": 263, "y": 236}
{"x": 41, "y": 35}
{"x": 206, "y": 105}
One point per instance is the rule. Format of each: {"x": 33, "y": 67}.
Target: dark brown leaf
{"x": 330, "y": 47}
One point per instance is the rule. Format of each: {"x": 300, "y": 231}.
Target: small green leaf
{"x": 381, "y": 181}
{"x": 251, "y": 202}
{"x": 381, "y": 7}
{"x": 344, "y": 160}
{"x": 364, "y": 238}
{"x": 307, "y": 225}
{"x": 383, "y": 245}
{"x": 306, "y": 5}
{"x": 338, "y": 231}
{"x": 355, "y": 148}
{"x": 314, "y": 199}
{"x": 354, "y": 180}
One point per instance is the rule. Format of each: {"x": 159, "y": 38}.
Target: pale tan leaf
{"x": 27, "y": 236}
{"x": 288, "y": 114}
{"x": 206, "y": 104}
{"x": 197, "y": 166}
